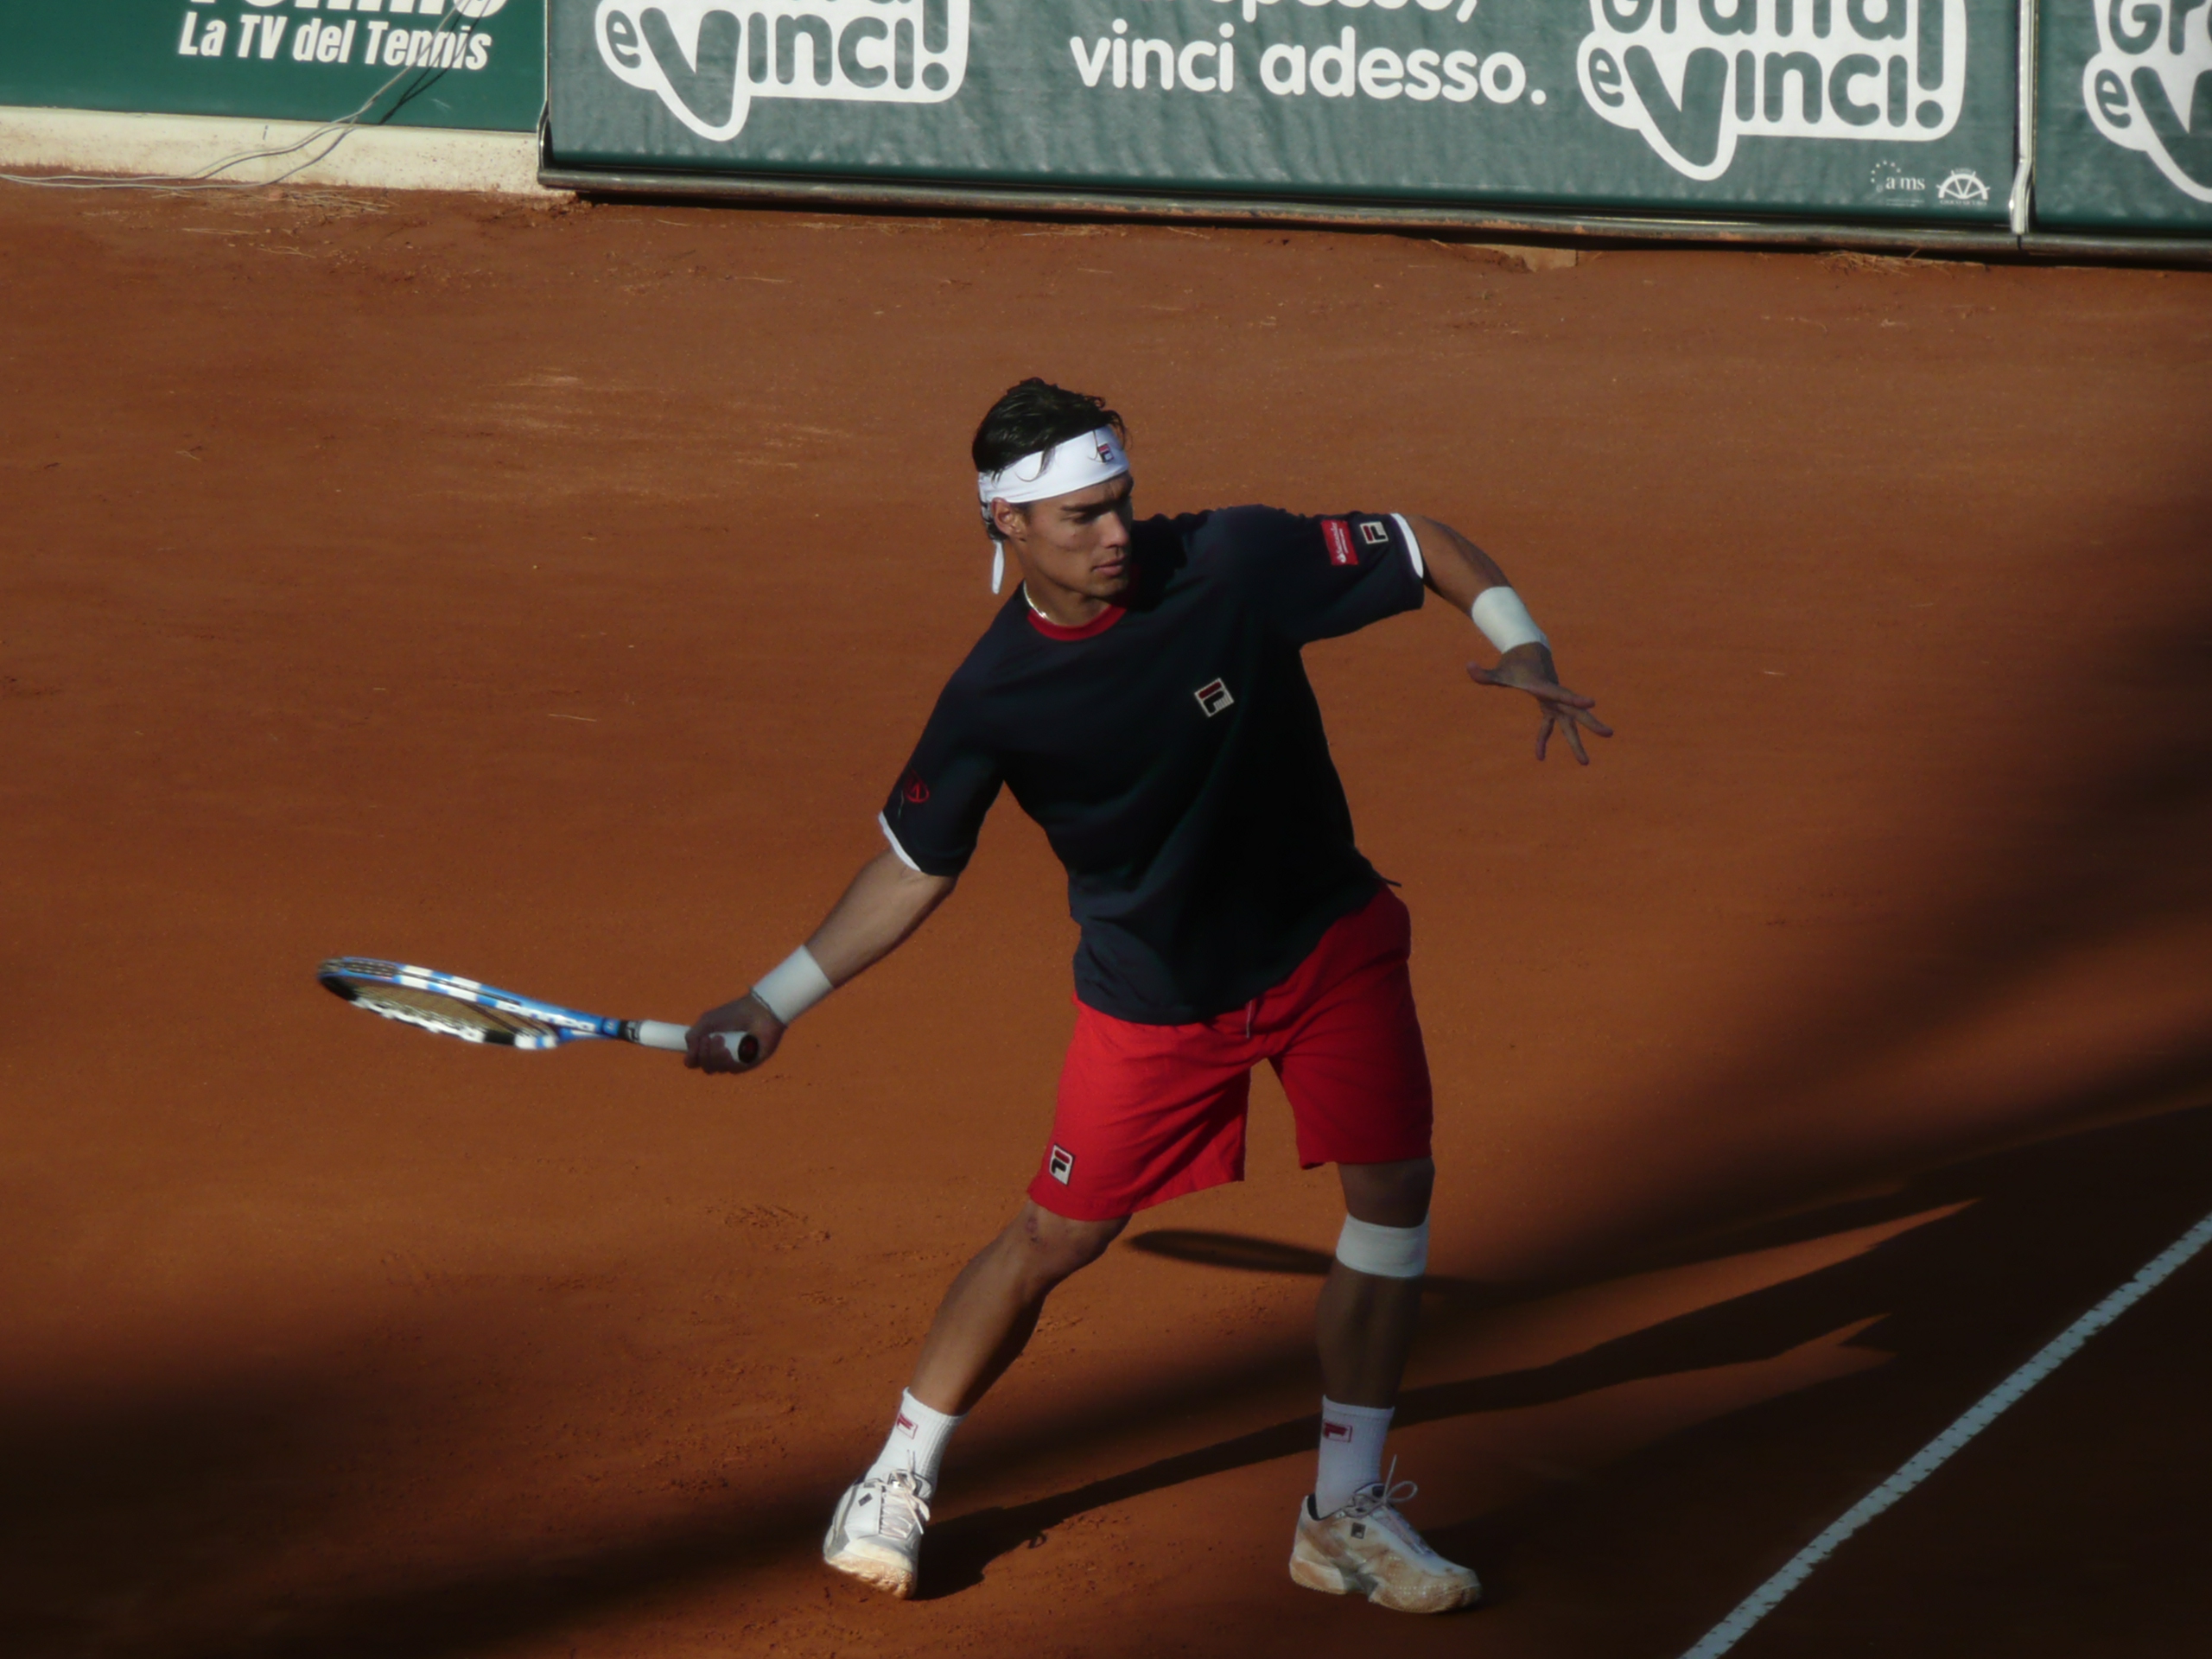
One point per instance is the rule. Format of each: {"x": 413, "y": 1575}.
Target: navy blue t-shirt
{"x": 1173, "y": 753}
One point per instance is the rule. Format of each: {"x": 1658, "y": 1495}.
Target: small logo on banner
{"x": 1060, "y": 1165}
{"x": 1374, "y": 532}
{"x": 1964, "y": 185}
{"x": 1213, "y": 697}
{"x": 1335, "y": 1431}
{"x": 1338, "y": 535}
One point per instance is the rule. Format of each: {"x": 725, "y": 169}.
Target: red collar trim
{"x": 1097, "y": 625}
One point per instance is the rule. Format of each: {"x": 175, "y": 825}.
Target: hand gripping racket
{"x": 475, "y": 1013}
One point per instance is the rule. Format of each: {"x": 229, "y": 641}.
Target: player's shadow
{"x": 2054, "y": 1224}
{"x": 2050, "y": 1229}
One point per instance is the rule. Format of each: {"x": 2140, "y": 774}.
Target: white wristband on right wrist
{"x": 1504, "y": 620}
{"x": 793, "y": 986}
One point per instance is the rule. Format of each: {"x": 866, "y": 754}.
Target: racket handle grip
{"x": 743, "y": 1047}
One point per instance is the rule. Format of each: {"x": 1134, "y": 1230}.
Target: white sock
{"x": 917, "y": 1441}
{"x": 1351, "y": 1452}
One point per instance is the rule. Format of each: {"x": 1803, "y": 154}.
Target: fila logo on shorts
{"x": 1061, "y": 1164}
{"x": 1213, "y": 697}
{"x": 1338, "y": 535}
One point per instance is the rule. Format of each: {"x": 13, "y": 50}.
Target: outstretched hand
{"x": 1528, "y": 667}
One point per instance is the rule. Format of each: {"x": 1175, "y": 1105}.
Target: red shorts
{"x": 1148, "y": 1113}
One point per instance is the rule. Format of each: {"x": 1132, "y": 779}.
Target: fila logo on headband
{"x": 1061, "y": 469}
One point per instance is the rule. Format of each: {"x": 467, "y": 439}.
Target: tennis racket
{"x": 477, "y": 1013}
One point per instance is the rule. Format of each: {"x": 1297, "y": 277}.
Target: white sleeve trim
{"x": 883, "y": 823}
{"x": 1412, "y": 546}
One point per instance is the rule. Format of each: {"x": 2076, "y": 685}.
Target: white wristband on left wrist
{"x": 1504, "y": 620}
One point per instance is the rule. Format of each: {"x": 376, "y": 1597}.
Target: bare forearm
{"x": 1453, "y": 567}
{"x": 886, "y": 903}
{"x": 879, "y": 911}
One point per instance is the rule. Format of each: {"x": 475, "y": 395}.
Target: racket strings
{"x": 451, "y": 1016}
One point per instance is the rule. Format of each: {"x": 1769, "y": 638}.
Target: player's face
{"x": 1080, "y": 542}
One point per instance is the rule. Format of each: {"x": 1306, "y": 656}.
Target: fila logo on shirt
{"x": 1213, "y": 697}
{"x": 1336, "y": 536}
{"x": 1061, "y": 1164}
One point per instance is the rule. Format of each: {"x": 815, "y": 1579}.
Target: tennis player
{"x": 1142, "y": 694}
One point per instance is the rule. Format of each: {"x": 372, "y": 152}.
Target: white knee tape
{"x": 1386, "y": 1252}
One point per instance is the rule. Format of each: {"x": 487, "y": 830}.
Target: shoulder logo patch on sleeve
{"x": 1213, "y": 697}
{"x": 1061, "y": 1164}
{"x": 1374, "y": 532}
{"x": 1337, "y": 536}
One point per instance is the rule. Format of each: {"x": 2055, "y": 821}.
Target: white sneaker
{"x": 1367, "y": 1548}
{"x": 876, "y": 1534}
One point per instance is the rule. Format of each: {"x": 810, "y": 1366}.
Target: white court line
{"x": 1763, "y": 1600}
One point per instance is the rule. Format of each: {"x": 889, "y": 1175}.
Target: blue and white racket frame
{"x": 477, "y": 1013}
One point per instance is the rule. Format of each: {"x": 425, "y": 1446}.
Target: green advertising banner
{"x": 1869, "y": 108}
{"x": 472, "y": 63}
{"x": 2123, "y": 115}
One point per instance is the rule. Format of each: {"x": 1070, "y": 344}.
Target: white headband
{"x": 1070, "y": 465}
{"x": 1063, "y": 468}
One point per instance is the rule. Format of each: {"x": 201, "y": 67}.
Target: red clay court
{"x": 549, "y": 595}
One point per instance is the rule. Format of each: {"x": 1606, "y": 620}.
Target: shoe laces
{"x": 904, "y": 1508}
{"x": 1378, "y": 1501}
{"x": 1384, "y": 1494}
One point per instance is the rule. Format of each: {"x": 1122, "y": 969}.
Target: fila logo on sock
{"x": 1338, "y": 535}
{"x": 1213, "y": 697}
{"x": 905, "y": 1424}
{"x": 1335, "y": 1431}
{"x": 1060, "y": 1165}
